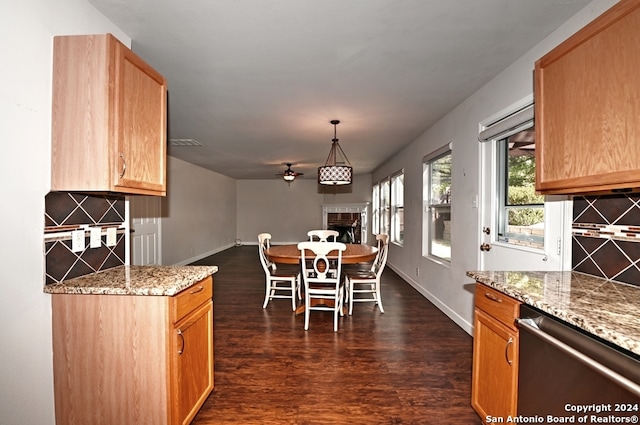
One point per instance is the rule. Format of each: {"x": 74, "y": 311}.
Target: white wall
{"x": 26, "y": 31}
{"x": 198, "y": 213}
{"x": 288, "y": 211}
{"x": 447, "y": 286}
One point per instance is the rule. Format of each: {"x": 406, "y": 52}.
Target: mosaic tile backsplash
{"x": 66, "y": 212}
{"x": 606, "y": 237}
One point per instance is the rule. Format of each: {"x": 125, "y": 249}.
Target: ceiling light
{"x": 337, "y": 170}
{"x": 289, "y": 175}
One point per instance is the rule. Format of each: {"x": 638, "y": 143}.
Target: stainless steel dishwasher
{"x": 568, "y": 376}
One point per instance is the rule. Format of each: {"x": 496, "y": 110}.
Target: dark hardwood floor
{"x": 410, "y": 365}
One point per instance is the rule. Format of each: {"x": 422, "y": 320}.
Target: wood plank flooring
{"x": 410, "y": 365}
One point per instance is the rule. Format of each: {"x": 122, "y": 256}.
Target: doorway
{"x": 520, "y": 229}
{"x": 145, "y": 230}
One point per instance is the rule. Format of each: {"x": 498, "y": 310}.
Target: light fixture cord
{"x": 332, "y": 159}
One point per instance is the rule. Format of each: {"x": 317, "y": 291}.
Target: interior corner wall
{"x": 27, "y": 28}
{"x": 447, "y": 286}
{"x": 198, "y": 214}
{"x": 288, "y": 211}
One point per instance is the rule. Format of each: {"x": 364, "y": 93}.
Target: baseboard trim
{"x": 455, "y": 317}
{"x": 204, "y": 255}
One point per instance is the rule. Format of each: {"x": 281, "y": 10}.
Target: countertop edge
{"x": 134, "y": 280}
{"x": 610, "y": 332}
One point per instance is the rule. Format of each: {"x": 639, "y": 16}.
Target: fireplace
{"x": 350, "y": 220}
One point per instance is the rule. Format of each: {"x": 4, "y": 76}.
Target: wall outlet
{"x": 96, "y": 237}
{"x": 77, "y": 240}
{"x": 111, "y": 236}
{"x": 417, "y": 271}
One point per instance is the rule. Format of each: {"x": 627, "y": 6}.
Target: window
{"x": 375, "y": 211}
{"x": 385, "y": 207}
{"x": 520, "y": 211}
{"x": 437, "y": 198}
{"x": 397, "y": 208}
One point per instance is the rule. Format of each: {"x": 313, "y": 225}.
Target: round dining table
{"x": 290, "y": 254}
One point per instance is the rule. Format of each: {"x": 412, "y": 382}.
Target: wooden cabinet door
{"x": 108, "y": 118}
{"x": 495, "y": 368}
{"x": 587, "y": 107}
{"x": 193, "y": 363}
{"x": 142, "y": 103}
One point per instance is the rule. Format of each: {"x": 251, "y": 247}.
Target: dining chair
{"x": 364, "y": 286}
{"x": 323, "y": 235}
{"x": 278, "y": 285}
{"x": 321, "y": 284}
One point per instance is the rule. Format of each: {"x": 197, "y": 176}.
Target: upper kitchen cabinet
{"x": 109, "y": 118}
{"x": 587, "y": 107}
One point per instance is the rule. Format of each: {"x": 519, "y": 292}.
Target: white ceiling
{"x": 256, "y": 82}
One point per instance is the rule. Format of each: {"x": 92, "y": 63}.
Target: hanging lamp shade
{"x": 337, "y": 170}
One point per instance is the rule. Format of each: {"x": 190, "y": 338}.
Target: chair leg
{"x": 293, "y": 294}
{"x": 307, "y": 302}
{"x": 267, "y": 296}
{"x": 336, "y": 308}
{"x": 379, "y": 298}
{"x": 350, "y": 298}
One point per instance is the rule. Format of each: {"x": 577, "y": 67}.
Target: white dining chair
{"x": 364, "y": 286}
{"x": 278, "y": 285}
{"x": 320, "y": 283}
{"x": 323, "y": 235}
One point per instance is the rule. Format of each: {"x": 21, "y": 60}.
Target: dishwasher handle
{"x": 524, "y": 324}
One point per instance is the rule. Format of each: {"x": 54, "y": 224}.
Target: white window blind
{"x": 511, "y": 124}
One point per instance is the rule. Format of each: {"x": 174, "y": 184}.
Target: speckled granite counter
{"x": 134, "y": 280}
{"x": 601, "y": 307}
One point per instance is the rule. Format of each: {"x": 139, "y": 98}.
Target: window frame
{"x": 385, "y": 206}
{"x": 429, "y": 233}
{"x": 375, "y": 209}
{"x": 397, "y": 208}
{"x": 502, "y": 204}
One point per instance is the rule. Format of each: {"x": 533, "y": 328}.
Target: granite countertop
{"x": 134, "y": 280}
{"x": 605, "y": 308}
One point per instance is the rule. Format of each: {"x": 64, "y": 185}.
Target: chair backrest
{"x": 320, "y": 263}
{"x": 264, "y": 242}
{"x": 381, "y": 257}
{"x": 323, "y": 235}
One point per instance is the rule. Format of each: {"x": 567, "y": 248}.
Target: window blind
{"x": 509, "y": 125}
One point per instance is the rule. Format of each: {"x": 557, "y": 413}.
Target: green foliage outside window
{"x": 522, "y": 191}
{"x": 524, "y": 216}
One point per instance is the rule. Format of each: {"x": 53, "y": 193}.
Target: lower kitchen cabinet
{"x": 495, "y": 354}
{"x": 132, "y": 359}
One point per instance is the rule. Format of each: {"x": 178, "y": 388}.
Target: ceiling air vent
{"x": 184, "y": 142}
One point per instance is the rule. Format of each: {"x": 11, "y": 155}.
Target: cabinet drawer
{"x": 187, "y": 300}
{"x": 497, "y": 304}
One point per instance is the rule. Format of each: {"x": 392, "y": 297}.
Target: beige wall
{"x": 288, "y": 211}
{"x": 198, "y": 213}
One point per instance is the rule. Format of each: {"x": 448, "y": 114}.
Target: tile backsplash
{"x": 606, "y": 237}
{"x": 66, "y": 212}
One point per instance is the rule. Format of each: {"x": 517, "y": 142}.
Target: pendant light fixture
{"x": 337, "y": 170}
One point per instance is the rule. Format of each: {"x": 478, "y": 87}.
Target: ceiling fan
{"x": 289, "y": 175}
